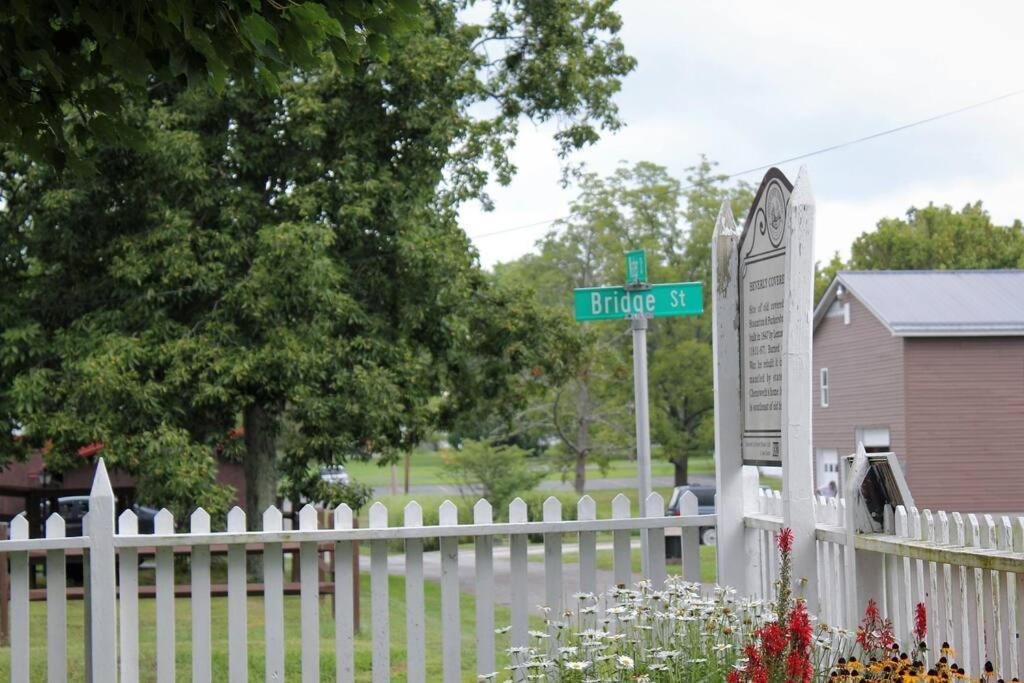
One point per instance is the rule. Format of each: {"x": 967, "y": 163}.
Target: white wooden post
{"x": 19, "y": 603}
{"x": 102, "y": 577}
{"x": 273, "y": 598}
{"x": 725, "y": 312}
{"x": 238, "y": 620}
{"x": 309, "y": 597}
{"x": 484, "y": 566}
{"x": 797, "y": 462}
{"x": 517, "y": 514}
{"x": 202, "y": 665}
{"x": 552, "y": 512}
{"x": 415, "y": 612}
{"x": 344, "y": 610}
{"x": 655, "y": 507}
{"x": 689, "y": 540}
{"x": 56, "y": 606}
{"x": 380, "y": 626}
{"x": 163, "y": 525}
{"x": 128, "y": 561}
{"x": 451, "y": 624}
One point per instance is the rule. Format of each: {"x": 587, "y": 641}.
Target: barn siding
{"x": 965, "y": 420}
{"x": 865, "y": 365}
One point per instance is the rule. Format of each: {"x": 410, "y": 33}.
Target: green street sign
{"x": 619, "y": 303}
{"x": 636, "y": 268}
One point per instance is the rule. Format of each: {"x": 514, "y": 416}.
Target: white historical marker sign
{"x": 762, "y": 287}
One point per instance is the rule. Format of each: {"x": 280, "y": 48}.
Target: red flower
{"x": 920, "y": 622}
{"x": 875, "y": 634}
{"x": 785, "y": 540}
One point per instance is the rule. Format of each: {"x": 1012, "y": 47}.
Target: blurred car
{"x": 707, "y": 535}
{"x": 334, "y": 474}
{"x": 73, "y": 509}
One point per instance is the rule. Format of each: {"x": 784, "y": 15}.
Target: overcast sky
{"x": 750, "y": 83}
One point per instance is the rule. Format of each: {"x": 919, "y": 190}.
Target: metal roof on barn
{"x": 936, "y": 303}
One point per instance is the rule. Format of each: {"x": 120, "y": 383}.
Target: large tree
{"x": 932, "y": 237}
{"x": 638, "y": 206}
{"x": 69, "y": 66}
{"x": 289, "y": 259}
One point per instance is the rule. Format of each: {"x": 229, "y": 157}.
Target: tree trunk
{"x": 582, "y": 436}
{"x": 682, "y": 466}
{"x": 260, "y": 469}
{"x": 408, "y": 462}
{"x": 260, "y": 463}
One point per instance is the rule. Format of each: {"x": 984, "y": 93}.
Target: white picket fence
{"x": 112, "y": 582}
{"x": 968, "y": 571}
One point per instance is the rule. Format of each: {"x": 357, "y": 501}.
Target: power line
{"x": 822, "y": 150}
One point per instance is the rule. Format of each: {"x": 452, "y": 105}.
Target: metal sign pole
{"x": 643, "y": 425}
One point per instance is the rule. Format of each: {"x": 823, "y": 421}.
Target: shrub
{"x": 496, "y": 473}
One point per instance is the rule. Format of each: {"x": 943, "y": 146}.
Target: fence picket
{"x": 344, "y": 613}
{"x": 947, "y": 580}
{"x": 415, "y": 634}
{"x": 1007, "y": 648}
{"x": 163, "y": 525}
{"x": 905, "y": 609}
{"x": 238, "y": 645}
{"x": 976, "y": 589}
{"x": 689, "y": 539}
{"x": 56, "y": 605}
{"x": 451, "y": 622}
{"x": 19, "y": 604}
{"x": 273, "y": 598}
{"x": 928, "y": 531}
{"x": 552, "y": 512}
{"x": 380, "y": 628}
{"x": 958, "y": 533}
{"x": 621, "y": 550}
{"x": 1017, "y": 580}
{"x": 518, "y": 566}
{"x": 128, "y": 566}
{"x": 993, "y": 632}
{"x": 101, "y": 635}
{"x": 202, "y": 664}
{"x": 309, "y": 597}
{"x": 484, "y": 568}
{"x": 655, "y": 507}
{"x": 586, "y": 509}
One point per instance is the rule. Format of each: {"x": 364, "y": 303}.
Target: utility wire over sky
{"x": 822, "y": 150}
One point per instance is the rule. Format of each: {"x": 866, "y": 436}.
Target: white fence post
{"x": 415, "y": 648}
{"x": 731, "y": 544}
{"x": 690, "y": 539}
{"x": 56, "y": 605}
{"x": 451, "y": 626}
{"x": 655, "y": 507}
{"x": 238, "y": 619}
{"x": 202, "y": 663}
{"x": 797, "y": 460}
{"x": 309, "y": 598}
{"x": 103, "y": 577}
{"x": 19, "y": 604}
{"x": 379, "y": 618}
{"x": 484, "y": 549}
{"x": 128, "y": 562}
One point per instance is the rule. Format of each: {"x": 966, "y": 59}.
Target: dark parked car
{"x": 705, "y": 506}
{"x": 73, "y": 509}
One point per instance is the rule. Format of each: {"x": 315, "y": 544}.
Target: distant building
{"x": 929, "y": 365}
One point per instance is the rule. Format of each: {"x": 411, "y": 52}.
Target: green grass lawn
{"x": 147, "y": 637}
{"x": 427, "y": 468}
{"x": 708, "y": 562}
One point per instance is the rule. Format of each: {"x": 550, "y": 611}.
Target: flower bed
{"x": 683, "y": 633}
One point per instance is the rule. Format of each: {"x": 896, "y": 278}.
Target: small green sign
{"x": 619, "y": 303}
{"x": 636, "y": 268}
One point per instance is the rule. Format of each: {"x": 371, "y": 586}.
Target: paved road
{"x": 614, "y": 483}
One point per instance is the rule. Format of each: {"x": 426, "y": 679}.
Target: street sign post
{"x": 637, "y": 302}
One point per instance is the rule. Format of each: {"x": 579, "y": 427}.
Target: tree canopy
{"x": 933, "y": 238}
{"x": 69, "y": 67}
{"x": 289, "y": 260}
{"x": 636, "y": 207}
